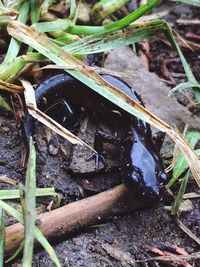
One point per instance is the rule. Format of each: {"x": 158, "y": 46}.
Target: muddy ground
{"x": 132, "y": 233}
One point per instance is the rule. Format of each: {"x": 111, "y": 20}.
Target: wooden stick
{"x": 77, "y": 215}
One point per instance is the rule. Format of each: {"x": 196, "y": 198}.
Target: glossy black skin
{"x": 142, "y": 167}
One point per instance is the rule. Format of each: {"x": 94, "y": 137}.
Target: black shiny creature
{"x": 62, "y": 98}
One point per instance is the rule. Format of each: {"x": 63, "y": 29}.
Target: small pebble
{"x": 5, "y": 130}
{"x": 53, "y": 150}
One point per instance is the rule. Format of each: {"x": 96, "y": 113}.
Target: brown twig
{"x": 173, "y": 260}
{"x": 192, "y": 35}
{"x": 77, "y": 215}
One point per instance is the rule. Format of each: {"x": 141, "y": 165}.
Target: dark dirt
{"x": 132, "y": 233}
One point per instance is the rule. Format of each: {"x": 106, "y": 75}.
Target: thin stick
{"x": 77, "y": 215}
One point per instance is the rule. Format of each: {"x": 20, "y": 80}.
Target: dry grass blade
{"x": 89, "y": 77}
{"x": 191, "y": 195}
{"x": 7, "y": 11}
{"x": 187, "y": 231}
{"x": 7, "y": 180}
{"x": 188, "y": 21}
{"x": 11, "y": 87}
{"x": 95, "y": 68}
{"x": 46, "y": 120}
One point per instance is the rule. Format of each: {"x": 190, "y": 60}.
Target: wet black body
{"x": 142, "y": 167}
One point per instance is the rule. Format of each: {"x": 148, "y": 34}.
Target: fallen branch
{"x": 74, "y": 216}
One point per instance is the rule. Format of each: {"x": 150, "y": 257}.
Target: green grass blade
{"x": 64, "y": 38}
{"x": 15, "y": 45}
{"x": 29, "y": 209}
{"x": 56, "y": 25}
{"x": 73, "y": 11}
{"x": 43, "y": 241}
{"x": 73, "y": 8}
{"x": 86, "y": 30}
{"x": 180, "y": 167}
{"x": 181, "y": 164}
{"x": 35, "y": 15}
{"x": 4, "y": 20}
{"x": 16, "y": 253}
{"x": 104, "y": 8}
{"x": 120, "y": 24}
{"x": 15, "y": 193}
{"x": 9, "y": 71}
{"x": 4, "y": 104}
{"x": 180, "y": 87}
{"x": 186, "y": 67}
{"x": 96, "y": 44}
{"x": 133, "y": 16}
{"x": 35, "y": 11}
{"x": 2, "y": 237}
{"x": 59, "y": 24}
{"x": 38, "y": 234}
{"x": 12, "y": 211}
{"x": 180, "y": 194}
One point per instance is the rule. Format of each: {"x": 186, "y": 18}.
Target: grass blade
{"x": 56, "y": 25}
{"x": 15, "y": 45}
{"x": 73, "y": 11}
{"x": 43, "y": 241}
{"x": 4, "y": 104}
{"x": 133, "y": 16}
{"x": 2, "y": 237}
{"x": 10, "y": 70}
{"x": 16, "y": 253}
{"x": 180, "y": 167}
{"x": 45, "y": 6}
{"x": 35, "y": 11}
{"x": 29, "y": 209}
{"x": 181, "y": 164}
{"x": 120, "y": 24}
{"x": 104, "y": 8}
{"x": 180, "y": 87}
{"x": 180, "y": 194}
{"x": 10, "y": 87}
{"x": 38, "y": 234}
{"x": 97, "y": 43}
{"x": 46, "y": 120}
{"x": 15, "y": 193}
{"x": 186, "y": 67}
